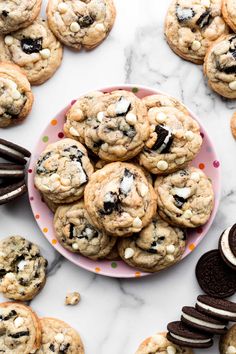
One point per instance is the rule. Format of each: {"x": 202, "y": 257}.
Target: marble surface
{"x": 115, "y": 315}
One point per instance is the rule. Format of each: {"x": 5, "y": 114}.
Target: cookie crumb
{"x": 233, "y": 125}
{"x": 72, "y": 298}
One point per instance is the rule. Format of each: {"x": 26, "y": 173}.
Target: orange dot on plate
{"x": 137, "y": 274}
{"x": 201, "y": 166}
{"x": 37, "y": 216}
{"x": 97, "y": 269}
{"x": 45, "y": 229}
{"x": 191, "y": 247}
{"x": 54, "y": 122}
{"x": 54, "y": 242}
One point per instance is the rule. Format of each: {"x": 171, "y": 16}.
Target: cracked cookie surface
{"x": 185, "y": 198}
{"x": 113, "y": 125}
{"x": 192, "y": 26}
{"x": 75, "y": 232}
{"x": 34, "y": 49}
{"x": 174, "y": 138}
{"x": 119, "y": 199}
{"x": 16, "y": 97}
{"x": 83, "y": 23}
{"x": 220, "y": 66}
{"x": 20, "y": 329}
{"x": 62, "y": 171}
{"x": 23, "y": 269}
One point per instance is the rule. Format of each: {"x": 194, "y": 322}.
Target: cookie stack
{"x": 200, "y": 31}
{"x": 118, "y": 210}
{"x": 12, "y": 183}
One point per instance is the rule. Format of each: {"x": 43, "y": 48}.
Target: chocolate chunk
{"x": 205, "y": 19}
{"x": 184, "y": 14}
{"x": 5, "y": 13}
{"x": 29, "y": 45}
{"x": 19, "y": 334}
{"x": 164, "y": 140}
{"x": 110, "y": 204}
{"x": 179, "y": 201}
{"x": 85, "y": 21}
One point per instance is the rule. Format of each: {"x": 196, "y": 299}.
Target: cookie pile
{"x": 200, "y": 31}
{"x": 118, "y": 209}
{"x": 12, "y": 183}
{"x": 22, "y": 331}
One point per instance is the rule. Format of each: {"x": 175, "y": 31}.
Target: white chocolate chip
{"x": 222, "y": 48}
{"x": 184, "y": 192}
{"x": 131, "y": 118}
{"x": 65, "y": 181}
{"x": 2, "y": 254}
{"x": 232, "y": 85}
{"x": 18, "y": 322}
{"x": 129, "y": 252}
{"x": 180, "y": 160}
{"x": 45, "y": 53}
{"x": 195, "y": 176}
{"x": 59, "y": 338}
{"x": 189, "y": 135}
{"x": 10, "y": 276}
{"x": 171, "y": 350}
{"x": 170, "y": 249}
{"x": 161, "y": 117}
{"x": 137, "y": 222}
{"x": 196, "y": 45}
{"x": 162, "y": 165}
{"x": 99, "y": 27}
{"x": 75, "y": 246}
{"x": 8, "y": 40}
{"x": 16, "y": 95}
{"x": 74, "y": 27}
{"x": 188, "y": 214}
{"x": 62, "y": 8}
{"x": 73, "y": 131}
{"x": 105, "y": 147}
{"x": 207, "y": 4}
{"x": 54, "y": 177}
{"x": 143, "y": 189}
{"x": 100, "y": 116}
{"x": 170, "y": 258}
{"x": 231, "y": 350}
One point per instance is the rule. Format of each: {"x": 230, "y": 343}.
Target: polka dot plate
{"x": 206, "y": 160}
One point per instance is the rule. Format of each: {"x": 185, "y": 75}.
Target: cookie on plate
{"x": 20, "y": 329}
{"x": 62, "y": 171}
{"x": 58, "y": 337}
{"x": 228, "y": 342}
{"x": 185, "y": 197}
{"x": 227, "y": 246}
{"x": 23, "y": 269}
{"x": 229, "y": 13}
{"x": 113, "y": 125}
{"x": 34, "y": 49}
{"x": 81, "y": 23}
{"x": 75, "y": 232}
{"x": 216, "y": 308}
{"x": 191, "y": 26}
{"x": 158, "y": 343}
{"x": 220, "y": 66}
{"x": 174, "y": 138}
{"x": 9, "y": 192}
{"x": 16, "y": 97}
{"x": 16, "y": 15}
{"x": 119, "y": 199}
{"x": 13, "y": 152}
{"x": 156, "y": 247}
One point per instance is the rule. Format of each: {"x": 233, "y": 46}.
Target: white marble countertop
{"x": 115, "y": 315}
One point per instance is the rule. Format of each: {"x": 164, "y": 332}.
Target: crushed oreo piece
{"x": 126, "y": 182}
{"x": 5, "y": 13}
{"x": 18, "y": 334}
{"x": 52, "y": 347}
{"x": 184, "y": 14}
{"x": 205, "y": 19}
{"x": 122, "y": 106}
{"x": 29, "y": 45}
{"x": 164, "y": 140}
{"x": 179, "y": 201}
{"x": 110, "y": 204}
{"x": 130, "y": 133}
{"x": 85, "y": 21}
{"x": 40, "y": 169}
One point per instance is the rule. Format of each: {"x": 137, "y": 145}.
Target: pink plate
{"x": 206, "y": 160}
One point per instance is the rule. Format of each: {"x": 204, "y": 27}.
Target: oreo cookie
{"x": 11, "y": 192}
{"x": 227, "y": 246}
{"x": 13, "y": 152}
{"x": 180, "y": 334}
{"x": 214, "y": 276}
{"x": 217, "y": 308}
{"x": 202, "y": 322}
{"x": 11, "y": 171}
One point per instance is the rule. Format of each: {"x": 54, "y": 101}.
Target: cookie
{"x": 20, "y": 329}
{"x": 220, "y": 66}
{"x": 229, "y": 13}
{"x": 75, "y": 232}
{"x": 50, "y": 204}
{"x": 204, "y": 323}
{"x": 11, "y": 171}
{"x": 214, "y": 276}
{"x": 217, "y": 308}
{"x": 191, "y": 26}
{"x": 233, "y": 125}
{"x": 13, "y": 152}
{"x": 156, "y": 247}
{"x": 80, "y": 24}
{"x": 228, "y": 342}
{"x": 180, "y": 334}
{"x": 58, "y": 337}
{"x": 34, "y": 49}
{"x": 227, "y": 246}
{"x": 119, "y": 199}
{"x": 23, "y": 269}
{"x": 16, "y": 15}
{"x": 113, "y": 255}
{"x": 185, "y": 198}
{"x": 174, "y": 138}
{"x": 158, "y": 343}
{"x": 62, "y": 171}
{"x": 16, "y": 97}
{"x": 12, "y": 191}
{"x": 113, "y": 125}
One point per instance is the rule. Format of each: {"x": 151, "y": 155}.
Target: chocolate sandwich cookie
{"x": 227, "y": 246}
{"x": 202, "y": 322}
{"x": 218, "y": 308}
{"x": 13, "y": 152}
{"x": 214, "y": 276}
{"x": 180, "y": 334}
{"x": 12, "y": 192}
{"x": 8, "y": 170}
